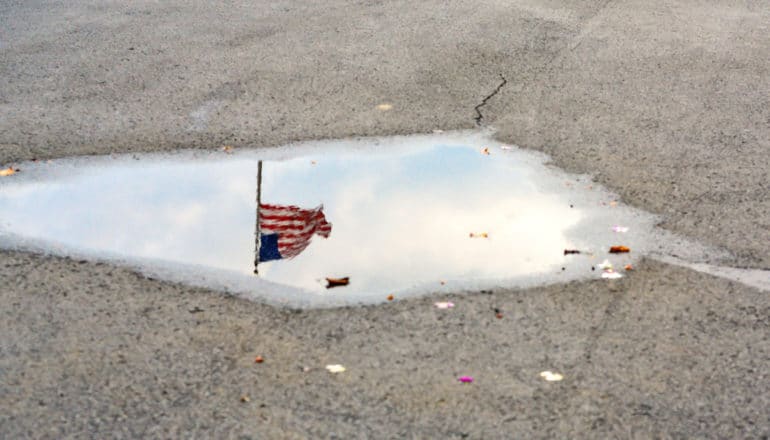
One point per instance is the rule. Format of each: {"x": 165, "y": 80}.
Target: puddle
{"x": 399, "y": 213}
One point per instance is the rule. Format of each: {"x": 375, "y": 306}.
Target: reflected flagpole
{"x": 257, "y": 232}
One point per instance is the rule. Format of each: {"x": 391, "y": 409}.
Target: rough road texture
{"x": 667, "y": 103}
{"x": 124, "y": 356}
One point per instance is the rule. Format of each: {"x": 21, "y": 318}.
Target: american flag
{"x": 287, "y": 230}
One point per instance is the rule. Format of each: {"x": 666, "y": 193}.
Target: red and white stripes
{"x": 295, "y": 226}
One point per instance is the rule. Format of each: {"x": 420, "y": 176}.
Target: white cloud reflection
{"x": 399, "y": 220}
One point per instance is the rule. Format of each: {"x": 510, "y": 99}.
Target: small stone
{"x": 336, "y": 368}
{"x": 551, "y": 376}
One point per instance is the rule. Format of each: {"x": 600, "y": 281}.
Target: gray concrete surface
{"x": 665, "y": 102}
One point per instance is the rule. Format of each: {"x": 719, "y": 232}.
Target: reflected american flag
{"x": 287, "y": 230}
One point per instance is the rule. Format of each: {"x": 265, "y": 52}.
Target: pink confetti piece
{"x": 465, "y": 379}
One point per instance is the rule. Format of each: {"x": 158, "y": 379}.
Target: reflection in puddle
{"x": 402, "y": 216}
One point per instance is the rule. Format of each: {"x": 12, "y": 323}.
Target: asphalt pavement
{"x": 666, "y": 103}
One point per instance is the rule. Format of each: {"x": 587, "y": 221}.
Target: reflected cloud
{"x": 402, "y": 216}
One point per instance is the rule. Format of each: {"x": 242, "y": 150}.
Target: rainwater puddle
{"x": 398, "y": 216}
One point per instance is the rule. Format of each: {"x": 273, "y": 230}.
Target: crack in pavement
{"x": 479, "y": 116}
{"x": 598, "y": 331}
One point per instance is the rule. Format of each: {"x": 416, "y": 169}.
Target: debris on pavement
{"x": 444, "y": 305}
{"x": 259, "y": 360}
{"x": 610, "y": 274}
{"x": 9, "y": 171}
{"x": 465, "y": 379}
{"x": 479, "y": 235}
{"x": 628, "y": 267}
{"x": 384, "y": 107}
{"x": 607, "y": 270}
{"x": 228, "y": 149}
{"x": 619, "y": 250}
{"x": 391, "y": 297}
{"x": 335, "y": 368}
{"x": 550, "y": 376}
{"x": 605, "y": 265}
{"x": 336, "y": 282}
{"x": 571, "y": 251}
{"x": 485, "y": 150}
{"x": 245, "y": 399}
{"x": 620, "y": 229}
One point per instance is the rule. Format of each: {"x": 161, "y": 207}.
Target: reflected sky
{"x": 402, "y": 211}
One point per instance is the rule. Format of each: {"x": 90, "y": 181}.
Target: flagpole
{"x": 258, "y": 234}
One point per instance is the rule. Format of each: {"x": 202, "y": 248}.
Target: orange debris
{"x": 336, "y": 282}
